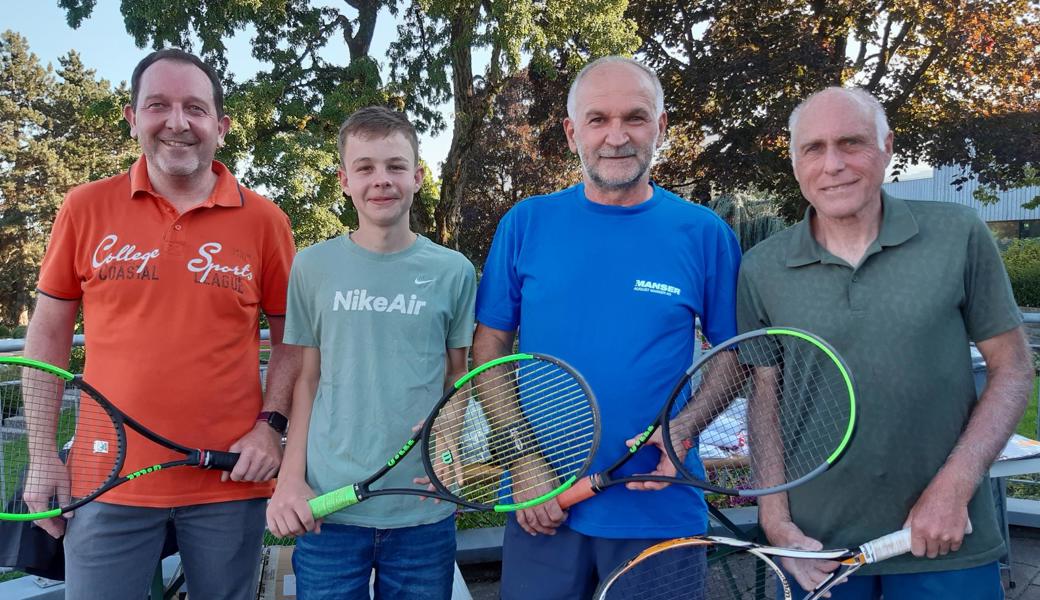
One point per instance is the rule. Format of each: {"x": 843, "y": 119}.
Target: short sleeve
{"x": 990, "y": 308}
{"x": 301, "y": 328}
{"x": 460, "y": 330}
{"x": 59, "y": 277}
{"x": 278, "y": 252}
{"x": 499, "y": 293}
{"x": 719, "y": 319}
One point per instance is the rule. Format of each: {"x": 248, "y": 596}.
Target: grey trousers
{"x": 111, "y": 551}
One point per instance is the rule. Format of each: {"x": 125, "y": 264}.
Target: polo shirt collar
{"x": 897, "y": 226}
{"x": 226, "y": 192}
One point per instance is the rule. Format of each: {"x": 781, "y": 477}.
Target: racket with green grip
{"x": 544, "y": 430}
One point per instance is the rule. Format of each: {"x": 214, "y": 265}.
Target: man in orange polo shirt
{"x": 172, "y": 263}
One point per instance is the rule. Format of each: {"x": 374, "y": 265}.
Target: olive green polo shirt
{"x": 931, "y": 282}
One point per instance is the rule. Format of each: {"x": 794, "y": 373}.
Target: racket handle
{"x": 893, "y": 544}
{"x": 326, "y": 504}
{"x": 581, "y": 490}
{"x": 222, "y": 461}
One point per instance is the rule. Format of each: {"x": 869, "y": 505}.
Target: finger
{"x": 242, "y": 467}
{"x": 418, "y": 426}
{"x": 55, "y": 527}
{"x": 523, "y": 520}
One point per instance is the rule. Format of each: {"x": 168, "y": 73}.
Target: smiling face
{"x": 838, "y": 163}
{"x": 176, "y": 121}
{"x": 615, "y": 128}
{"x": 381, "y": 177}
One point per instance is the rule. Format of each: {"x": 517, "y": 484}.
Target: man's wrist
{"x": 273, "y": 419}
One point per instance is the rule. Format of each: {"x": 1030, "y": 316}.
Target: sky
{"x": 105, "y": 46}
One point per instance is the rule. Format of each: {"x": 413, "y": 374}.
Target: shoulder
{"x": 687, "y": 212}
{"x": 770, "y": 251}
{"x": 91, "y": 192}
{"x": 545, "y": 202}
{"x": 261, "y": 207}
{"x": 448, "y": 259}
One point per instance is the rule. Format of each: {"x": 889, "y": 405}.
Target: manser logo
{"x": 654, "y": 287}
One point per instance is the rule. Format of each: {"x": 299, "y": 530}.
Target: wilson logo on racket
{"x": 642, "y": 438}
{"x": 400, "y": 453}
{"x": 446, "y": 457}
{"x": 137, "y": 474}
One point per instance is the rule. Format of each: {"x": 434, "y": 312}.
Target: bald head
{"x": 637, "y": 68}
{"x": 867, "y": 105}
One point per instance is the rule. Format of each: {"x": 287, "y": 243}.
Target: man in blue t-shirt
{"x": 610, "y": 276}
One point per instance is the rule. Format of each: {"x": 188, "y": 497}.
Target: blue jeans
{"x": 410, "y": 562}
{"x": 977, "y": 583}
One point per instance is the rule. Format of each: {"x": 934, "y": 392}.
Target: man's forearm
{"x": 283, "y": 367}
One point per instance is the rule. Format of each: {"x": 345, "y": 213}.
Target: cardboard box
{"x": 277, "y": 581}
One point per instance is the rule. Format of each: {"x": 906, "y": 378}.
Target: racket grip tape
{"x": 581, "y": 490}
{"x": 222, "y": 461}
{"x": 893, "y": 544}
{"x": 326, "y": 504}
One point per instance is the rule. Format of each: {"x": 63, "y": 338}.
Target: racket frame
{"x": 197, "y": 457}
{"x": 341, "y": 498}
{"x": 603, "y": 479}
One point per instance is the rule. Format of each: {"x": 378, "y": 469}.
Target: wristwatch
{"x": 275, "y": 419}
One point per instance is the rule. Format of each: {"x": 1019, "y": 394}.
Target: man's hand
{"x": 261, "y": 455}
{"x": 937, "y": 522}
{"x": 665, "y": 468}
{"x": 807, "y": 572}
{"x": 48, "y": 477}
{"x": 288, "y": 513}
{"x": 537, "y": 479}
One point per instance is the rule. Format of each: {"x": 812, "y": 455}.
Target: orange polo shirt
{"x": 171, "y": 307}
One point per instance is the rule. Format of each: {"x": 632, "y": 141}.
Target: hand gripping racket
{"x": 46, "y": 412}
{"x": 544, "y": 430}
{"x": 760, "y": 413}
{"x": 720, "y": 568}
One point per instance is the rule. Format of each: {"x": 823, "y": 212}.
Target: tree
{"x": 439, "y": 36}
{"x": 57, "y": 130}
{"x": 286, "y": 118}
{"x": 290, "y": 113}
{"x": 957, "y": 79}
{"x": 522, "y": 151}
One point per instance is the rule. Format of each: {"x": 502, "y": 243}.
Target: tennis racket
{"x": 545, "y": 446}
{"x": 720, "y": 568}
{"x": 88, "y": 430}
{"x": 760, "y": 413}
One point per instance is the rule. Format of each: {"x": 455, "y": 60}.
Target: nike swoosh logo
{"x": 423, "y": 281}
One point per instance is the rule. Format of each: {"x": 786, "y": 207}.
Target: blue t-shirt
{"x": 614, "y": 291}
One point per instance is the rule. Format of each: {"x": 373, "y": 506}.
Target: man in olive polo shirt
{"x": 900, "y": 288}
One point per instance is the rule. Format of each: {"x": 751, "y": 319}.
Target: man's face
{"x": 381, "y": 177}
{"x": 615, "y": 127}
{"x": 175, "y": 119}
{"x": 839, "y": 166}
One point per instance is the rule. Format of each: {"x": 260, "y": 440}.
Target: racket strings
{"x": 537, "y": 413}
{"x": 694, "y": 570}
{"x": 50, "y": 460}
{"x": 769, "y": 411}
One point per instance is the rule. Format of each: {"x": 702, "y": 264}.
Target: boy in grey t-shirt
{"x": 385, "y": 317}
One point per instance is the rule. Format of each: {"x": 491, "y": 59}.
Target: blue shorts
{"x": 976, "y": 583}
{"x": 410, "y": 562}
{"x": 565, "y": 566}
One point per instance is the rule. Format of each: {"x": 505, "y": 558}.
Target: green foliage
{"x": 752, "y": 216}
{"x": 58, "y": 129}
{"x": 957, "y": 80}
{"x": 1022, "y": 261}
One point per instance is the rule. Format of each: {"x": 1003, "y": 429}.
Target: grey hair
{"x": 864, "y": 99}
{"x": 614, "y": 60}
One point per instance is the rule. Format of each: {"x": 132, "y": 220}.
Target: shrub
{"x": 1022, "y": 260}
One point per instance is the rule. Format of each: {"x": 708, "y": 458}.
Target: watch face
{"x": 276, "y": 420}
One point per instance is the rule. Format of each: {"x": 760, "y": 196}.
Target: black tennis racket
{"x": 760, "y": 413}
{"x": 46, "y": 412}
{"x": 721, "y": 568}
{"x": 544, "y": 430}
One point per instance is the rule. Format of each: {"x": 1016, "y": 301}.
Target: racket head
{"x": 765, "y": 411}
{"x": 696, "y": 569}
{"x": 75, "y": 456}
{"x": 544, "y": 410}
